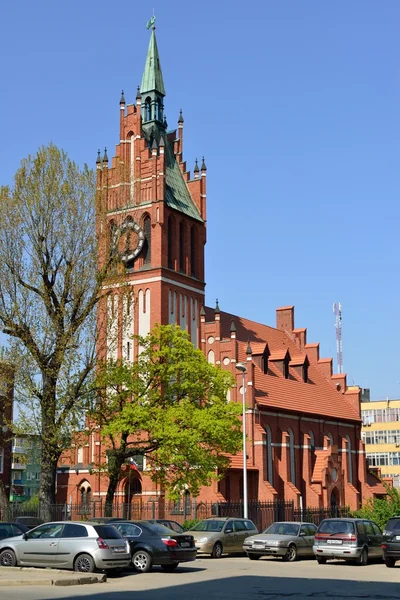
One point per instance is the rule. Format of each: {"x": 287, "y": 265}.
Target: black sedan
{"x": 153, "y": 544}
{"x": 8, "y": 530}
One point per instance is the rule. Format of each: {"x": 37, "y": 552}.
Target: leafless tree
{"x": 50, "y": 285}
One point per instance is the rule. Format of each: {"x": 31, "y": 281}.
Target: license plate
{"x": 334, "y": 541}
{"x": 185, "y": 545}
{"x": 120, "y": 549}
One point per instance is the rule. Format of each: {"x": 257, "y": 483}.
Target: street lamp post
{"x": 243, "y": 370}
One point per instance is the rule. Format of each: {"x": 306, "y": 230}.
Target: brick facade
{"x": 303, "y": 422}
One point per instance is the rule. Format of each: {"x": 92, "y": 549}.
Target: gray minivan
{"x": 348, "y": 539}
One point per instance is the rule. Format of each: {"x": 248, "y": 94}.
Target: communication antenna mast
{"x": 337, "y": 310}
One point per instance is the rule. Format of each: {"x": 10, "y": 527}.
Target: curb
{"x": 81, "y": 580}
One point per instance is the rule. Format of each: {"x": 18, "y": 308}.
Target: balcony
{"x": 17, "y": 466}
{"x": 18, "y": 482}
{"x": 18, "y": 450}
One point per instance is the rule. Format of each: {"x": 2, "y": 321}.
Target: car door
{"x": 378, "y": 539}
{"x": 309, "y": 533}
{"x": 131, "y": 532}
{"x": 371, "y": 539}
{"x": 240, "y": 530}
{"x": 229, "y": 539}
{"x": 302, "y": 541}
{"x": 40, "y": 546}
{"x": 71, "y": 541}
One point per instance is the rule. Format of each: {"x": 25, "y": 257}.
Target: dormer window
{"x": 305, "y": 372}
{"x": 286, "y": 367}
{"x": 264, "y": 363}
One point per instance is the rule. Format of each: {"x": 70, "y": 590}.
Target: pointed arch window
{"x": 170, "y": 242}
{"x": 268, "y": 455}
{"x": 159, "y": 110}
{"x": 147, "y": 237}
{"x": 148, "y": 109}
{"x": 292, "y": 458}
{"x": 182, "y": 243}
{"x": 193, "y": 254}
{"x": 349, "y": 460}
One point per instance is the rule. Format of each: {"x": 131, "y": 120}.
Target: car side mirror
{"x": 302, "y": 534}
{"x": 25, "y": 536}
{"x": 228, "y": 530}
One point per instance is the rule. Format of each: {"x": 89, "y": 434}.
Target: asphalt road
{"x": 234, "y": 578}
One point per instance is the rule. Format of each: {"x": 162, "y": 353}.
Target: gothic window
{"x": 305, "y": 372}
{"x": 268, "y": 455}
{"x": 330, "y": 438}
{"x": 312, "y": 440}
{"x": 148, "y": 109}
{"x": 182, "y": 243}
{"x": 147, "y": 237}
{"x": 349, "y": 460}
{"x": 159, "y": 110}
{"x": 193, "y": 256}
{"x": 292, "y": 458}
{"x": 170, "y": 242}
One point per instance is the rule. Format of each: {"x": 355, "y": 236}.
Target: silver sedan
{"x": 288, "y": 539}
{"x": 83, "y": 547}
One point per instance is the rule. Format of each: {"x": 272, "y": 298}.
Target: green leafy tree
{"x": 171, "y": 406}
{"x": 380, "y": 510}
{"x": 49, "y": 287}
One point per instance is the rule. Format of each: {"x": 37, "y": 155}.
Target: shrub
{"x": 189, "y": 523}
{"x": 380, "y": 510}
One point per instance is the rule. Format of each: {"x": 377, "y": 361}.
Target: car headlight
{"x": 203, "y": 539}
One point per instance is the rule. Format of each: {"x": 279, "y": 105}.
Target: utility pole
{"x": 337, "y": 311}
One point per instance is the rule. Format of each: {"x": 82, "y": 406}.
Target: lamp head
{"x": 241, "y": 367}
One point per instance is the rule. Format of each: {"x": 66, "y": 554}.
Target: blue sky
{"x": 294, "y": 105}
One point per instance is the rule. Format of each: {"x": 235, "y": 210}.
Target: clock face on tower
{"x": 128, "y": 238}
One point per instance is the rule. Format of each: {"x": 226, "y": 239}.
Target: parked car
{"x": 286, "y": 539}
{"x": 153, "y": 544}
{"x": 29, "y": 522}
{"x": 168, "y": 523}
{"x": 219, "y": 535}
{"x": 70, "y": 545}
{"x": 391, "y": 542}
{"x": 8, "y": 530}
{"x": 348, "y": 539}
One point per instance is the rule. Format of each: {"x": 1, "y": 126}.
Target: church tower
{"x": 154, "y": 212}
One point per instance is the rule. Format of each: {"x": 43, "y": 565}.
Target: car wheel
{"x": 142, "y": 561}
{"x": 84, "y": 563}
{"x": 217, "y": 550}
{"x": 291, "y": 554}
{"x": 363, "y": 558}
{"x": 390, "y": 562}
{"x": 169, "y": 567}
{"x": 8, "y": 558}
{"x": 321, "y": 560}
{"x": 254, "y": 556}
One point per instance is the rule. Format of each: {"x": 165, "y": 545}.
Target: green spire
{"x": 152, "y": 80}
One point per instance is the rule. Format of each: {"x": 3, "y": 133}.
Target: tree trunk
{"x": 114, "y": 469}
{"x": 48, "y": 476}
{"x": 5, "y": 510}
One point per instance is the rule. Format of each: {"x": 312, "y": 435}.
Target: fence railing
{"x": 262, "y": 514}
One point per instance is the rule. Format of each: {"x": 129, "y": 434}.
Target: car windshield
{"x": 283, "y": 529}
{"x": 335, "y": 527}
{"x": 208, "y": 525}
{"x": 393, "y": 525}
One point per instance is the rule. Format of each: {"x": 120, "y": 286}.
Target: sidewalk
{"x": 16, "y": 576}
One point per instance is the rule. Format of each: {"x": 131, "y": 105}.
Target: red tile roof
{"x": 316, "y": 397}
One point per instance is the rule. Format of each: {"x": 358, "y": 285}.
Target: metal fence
{"x": 261, "y": 513}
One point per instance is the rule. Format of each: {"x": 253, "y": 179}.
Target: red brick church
{"x": 303, "y": 422}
